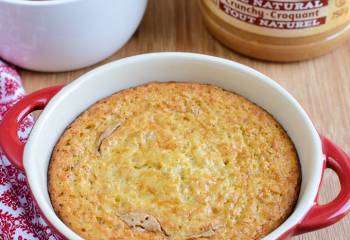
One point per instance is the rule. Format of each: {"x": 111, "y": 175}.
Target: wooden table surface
{"x": 322, "y": 86}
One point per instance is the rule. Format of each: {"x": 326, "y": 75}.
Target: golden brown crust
{"x": 202, "y": 162}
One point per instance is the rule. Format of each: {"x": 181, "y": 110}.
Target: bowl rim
{"x": 37, "y": 3}
{"x": 74, "y": 86}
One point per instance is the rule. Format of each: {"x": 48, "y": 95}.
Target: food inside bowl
{"x": 174, "y": 161}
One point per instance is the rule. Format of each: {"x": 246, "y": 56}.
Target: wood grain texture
{"x": 322, "y": 86}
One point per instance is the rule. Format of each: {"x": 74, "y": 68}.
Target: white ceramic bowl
{"x": 74, "y": 98}
{"x": 61, "y": 35}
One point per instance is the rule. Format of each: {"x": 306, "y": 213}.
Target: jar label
{"x": 284, "y": 18}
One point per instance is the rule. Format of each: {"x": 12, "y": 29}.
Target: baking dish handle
{"x": 321, "y": 216}
{"x": 9, "y": 141}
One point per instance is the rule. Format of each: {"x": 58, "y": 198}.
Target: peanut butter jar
{"x": 283, "y": 30}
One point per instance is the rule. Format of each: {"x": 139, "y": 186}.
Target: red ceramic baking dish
{"x": 61, "y": 105}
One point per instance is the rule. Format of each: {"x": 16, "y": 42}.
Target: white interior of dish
{"x": 163, "y": 67}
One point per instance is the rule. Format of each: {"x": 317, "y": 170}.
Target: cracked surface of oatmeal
{"x": 202, "y": 162}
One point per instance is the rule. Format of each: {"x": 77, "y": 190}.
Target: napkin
{"x": 19, "y": 217}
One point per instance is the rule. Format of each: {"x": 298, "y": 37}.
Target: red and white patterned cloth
{"x": 19, "y": 218}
